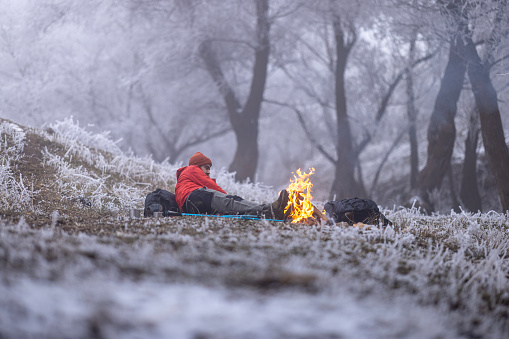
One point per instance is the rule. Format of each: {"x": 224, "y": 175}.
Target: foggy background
{"x": 139, "y": 70}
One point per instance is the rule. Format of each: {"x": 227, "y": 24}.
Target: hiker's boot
{"x": 278, "y": 206}
{"x": 282, "y": 200}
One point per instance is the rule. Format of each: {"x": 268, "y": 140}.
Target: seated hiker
{"x": 196, "y": 192}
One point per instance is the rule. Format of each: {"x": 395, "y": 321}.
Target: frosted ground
{"x": 73, "y": 265}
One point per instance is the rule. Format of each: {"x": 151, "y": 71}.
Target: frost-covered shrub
{"x": 69, "y": 133}
{"x": 86, "y": 145}
{"x": 74, "y": 182}
{"x": 14, "y": 194}
{"x": 12, "y": 142}
{"x": 94, "y": 167}
{"x": 255, "y": 192}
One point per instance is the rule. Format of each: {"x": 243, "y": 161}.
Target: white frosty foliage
{"x": 77, "y": 182}
{"x": 14, "y": 194}
{"x": 12, "y": 133}
{"x": 137, "y": 174}
{"x": 70, "y": 134}
{"x": 255, "y": 192}
{"x": 84, "y": 145}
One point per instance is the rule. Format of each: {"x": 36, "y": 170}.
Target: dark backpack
{"x": 160, "y": 201}
{"x": 355, "y": 210}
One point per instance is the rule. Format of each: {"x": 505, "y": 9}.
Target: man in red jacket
{"x": 196, "y": 192}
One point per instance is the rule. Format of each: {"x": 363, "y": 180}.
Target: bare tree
{"x": 491, "y": 123}
{"x": 412, "y": 115}
{"x": 244, "y": 118}
{"x": 441, "y": 129}
{"x": 345, "y": 183}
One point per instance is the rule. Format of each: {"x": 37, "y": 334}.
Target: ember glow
{"x": 299, "y": 206}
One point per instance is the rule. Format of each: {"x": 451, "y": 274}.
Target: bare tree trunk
{"x": 245, "y": 161}
{"x": 245, "y": 125}
{"x": 469, "y": 191}
{"x": 491, "y": 123}
{"x": 412, "y": 118}
{"x": 245, "y": 119}
{"x": 344, "y": 184}
{"x": 441, "y": 129}
{"x": 454, "y": 198}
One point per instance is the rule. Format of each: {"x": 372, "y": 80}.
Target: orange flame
{"x": 299, "y": 206}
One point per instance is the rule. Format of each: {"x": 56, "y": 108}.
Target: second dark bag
{"x": 355, "y": 210}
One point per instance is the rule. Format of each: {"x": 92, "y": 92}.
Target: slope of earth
{"x": 40, "y": 180}
{"x": 51, "y": 174}
{"x": 74, "y": 265}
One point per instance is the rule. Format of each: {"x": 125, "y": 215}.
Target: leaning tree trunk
{"x": 244, "y": 120}
{"x": 344, "y": 184}
{"x": 441, "y": 129}
{"x": 491, "y": 123}
{"x": 469, "y": 192}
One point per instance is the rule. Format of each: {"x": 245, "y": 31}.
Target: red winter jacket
{"x": 191, "y": 178}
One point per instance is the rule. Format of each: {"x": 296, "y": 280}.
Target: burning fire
{"x": 299, "y": 206}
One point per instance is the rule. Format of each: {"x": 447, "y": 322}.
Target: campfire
{"x": 299, "y": 208}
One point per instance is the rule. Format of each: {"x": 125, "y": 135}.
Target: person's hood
{"x": 180, "y": 170}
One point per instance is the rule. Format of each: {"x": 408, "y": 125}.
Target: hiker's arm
{"x": 203, "y": 180}
{"x": 213, "y": 185}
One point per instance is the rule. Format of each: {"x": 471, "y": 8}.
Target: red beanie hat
{"x": 199, "y": 159}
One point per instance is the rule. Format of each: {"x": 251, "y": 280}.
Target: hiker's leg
{"x": 224, "y": 204}
{"x": 199, "y": 201}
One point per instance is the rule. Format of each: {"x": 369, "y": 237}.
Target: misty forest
{"x": 390, "y": 100}
{"x": 400, "y": 101}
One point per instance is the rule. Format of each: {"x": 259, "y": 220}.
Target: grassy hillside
{"x": 65, "y": 170}
{"x": 74, "y": 265}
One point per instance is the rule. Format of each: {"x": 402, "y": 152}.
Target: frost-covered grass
{"x": 441, "y": 276}
{"x": 15, "y": 191}
{"x": 93, "y": 167}
{"x": 256, "y": 192}
{"x": 103, "y": 154}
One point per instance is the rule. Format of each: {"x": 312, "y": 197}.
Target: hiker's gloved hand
{"x": 234, "y": 197}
